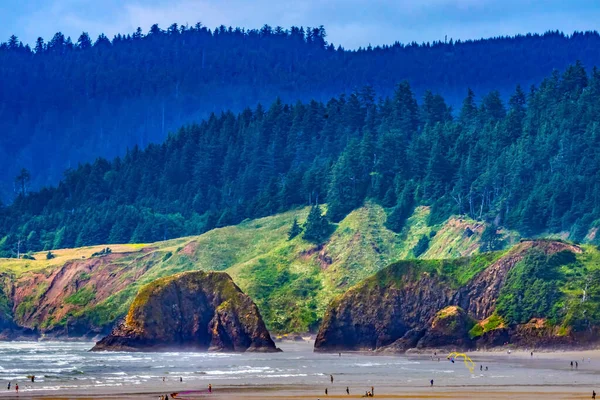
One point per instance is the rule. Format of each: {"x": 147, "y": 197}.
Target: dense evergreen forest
{"x": 531, "y": 164}
{"x": 70, "y": 100}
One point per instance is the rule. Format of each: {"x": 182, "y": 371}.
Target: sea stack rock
{"x": 191, "y": 311}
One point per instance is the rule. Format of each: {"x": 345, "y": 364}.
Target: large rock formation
{"x": 411, "y": 304}
{"x": 192, "y": 310}
{"x": 382, "y": 309}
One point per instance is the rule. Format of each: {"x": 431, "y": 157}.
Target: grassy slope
{"x": 291, "y": 281}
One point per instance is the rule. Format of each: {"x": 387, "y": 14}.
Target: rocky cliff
{"x": 452, "y": 303}
{"x": 192, "y": 310}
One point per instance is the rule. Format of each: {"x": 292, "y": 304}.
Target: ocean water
{"x": 70, "y": 366}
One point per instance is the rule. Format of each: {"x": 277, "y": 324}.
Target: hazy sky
{"x": 351, "y": 23}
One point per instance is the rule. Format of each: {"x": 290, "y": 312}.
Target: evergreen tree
{"x": 295, "y": 229}
{"x": 22, "y": 181}
{"x": 421, "y": 246}
{"x": 84, "y": 41}
{"x": 317, "y": 227}
{"x": 403, "y": 209}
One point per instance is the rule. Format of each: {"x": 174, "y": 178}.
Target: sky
{"x": 350, "y": 23}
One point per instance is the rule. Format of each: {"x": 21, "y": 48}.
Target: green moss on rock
{"x": 191, "y": 310}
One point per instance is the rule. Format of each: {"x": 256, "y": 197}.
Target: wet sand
{"x": 297, "y": 393}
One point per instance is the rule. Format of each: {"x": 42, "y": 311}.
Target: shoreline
{"x": 545, "y": 375}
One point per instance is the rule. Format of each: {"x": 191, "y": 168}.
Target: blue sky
{"x": 351, "y": 23}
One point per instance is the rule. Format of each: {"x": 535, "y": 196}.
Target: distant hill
{"x": 530, "y": 165}
{"x": 291, "y": 281}
{"x": 70, "y": 100}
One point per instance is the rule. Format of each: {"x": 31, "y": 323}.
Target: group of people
{"x": 367, "y": 393}
{"x": 32, "y": 377}
{"x": 16, "y": 387}
{"x": 174, "y": 395}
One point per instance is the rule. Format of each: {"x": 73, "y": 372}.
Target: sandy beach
{"x": 297, "y": 393}
{"x": 518, "y": 375}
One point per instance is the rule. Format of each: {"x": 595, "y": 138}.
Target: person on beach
{"x": 17, "y": 387}
{"x": 326, "y": 392}
{"x": 347, "y": 390}
{"x": 32, "y": 378}
{"x": 331, "y": 378}
{"x": 481, "y": 367}
{"x": 8, "y": 388}
{"x": 532, "y": 354}
{"x": 486, "y": 368}
{"x": 372, "y": 391}
{"x": 209, "y": 388}
{"x": 576, "y": 365}
{"x": 593, "y": 394}
{"x": 163, "y": 378}
{"x": 431, "y": 381}
{"x": 571, "y": 364}
{"x": 180, "y": 379}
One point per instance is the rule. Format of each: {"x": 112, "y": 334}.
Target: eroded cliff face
{"x": 399, "y": 308}
{"x": 192, "y": 310}
{"x": 376, "y": 314}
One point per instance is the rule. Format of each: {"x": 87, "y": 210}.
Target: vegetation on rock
{"x": 192, "y": 310}
{"x": 482, "y": 300}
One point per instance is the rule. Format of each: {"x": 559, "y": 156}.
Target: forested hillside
{"x": 531, "y": 165}
{"x": 71, "y": 100}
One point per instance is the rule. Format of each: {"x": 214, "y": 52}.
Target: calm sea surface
{"x": 62, "y": 365}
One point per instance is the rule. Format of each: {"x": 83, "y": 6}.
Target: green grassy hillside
{"x": 292, "y": 281}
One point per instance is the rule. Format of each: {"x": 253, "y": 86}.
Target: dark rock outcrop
{"x": 400, "y": 307}
{"x": 371, "y": 316}
{"x": 192, "y": 310}
{"x": 406, "y": 342}
{"x": 449, "y": 328}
